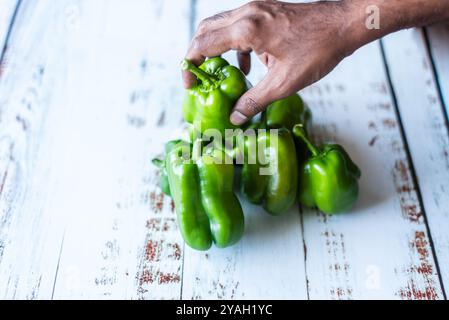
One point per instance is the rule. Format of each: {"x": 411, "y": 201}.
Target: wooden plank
{"x": 379, "y": 249}
{"x": 269, "y": 261}
{"x": 425, "y": 127}
{"x": 85, "y": 211}
{"x": 7, "y": 9}
{"x": 134, "y": 250}
{"x": 79, "y": 128}
{"x": 439, "y": 45}
{"x": 29, "y": 236}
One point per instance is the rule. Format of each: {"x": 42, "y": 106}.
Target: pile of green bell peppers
{"x": 279, "y": 164}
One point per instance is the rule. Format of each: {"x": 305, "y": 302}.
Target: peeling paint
{"x": 339, "y": 267}
{"x": 373, "y": 141}
{"x": 427, "y": 290}
{"x": 410, "y": 207}
{"x": 156, "y": 201}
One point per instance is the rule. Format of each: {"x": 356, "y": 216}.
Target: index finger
{"x": 208, "y": 25}
{"x": 208, "y": 44}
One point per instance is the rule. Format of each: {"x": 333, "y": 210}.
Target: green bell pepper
{"x": 288, "y": 112}
{"x": 202, "y": 190}
{"x": 209, "y": 103}
{"x": 277, "y": 188}
{"x": 329, "y": 178}
{"x": 163, "y": 179}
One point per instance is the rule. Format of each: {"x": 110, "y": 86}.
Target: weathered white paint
{"x": 425, "y": 127}
{"x": 80, "y": 196}
{"x": 336, "y": 247}
{"x": 7, "y": 8}
{"x": 372, "y": 251}
{"x": 126, "y": 99}
{"x": 269, "y": 261}
{"x": 439, "y": 45}
{"x": 30, "y": 232}
{"x": 82, "y": 114}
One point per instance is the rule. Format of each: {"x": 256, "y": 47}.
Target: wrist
{"x": 364, "y": 21}
{"x": 369, "y": 20}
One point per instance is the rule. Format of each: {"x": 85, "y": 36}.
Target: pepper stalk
{"x": 298, "y": 131}
{"x": 206, "y": 78}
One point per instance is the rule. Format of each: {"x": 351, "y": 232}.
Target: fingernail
{"x": 238, "y": 118}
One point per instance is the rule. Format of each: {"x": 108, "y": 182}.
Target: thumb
{"x": 256, "y": 99}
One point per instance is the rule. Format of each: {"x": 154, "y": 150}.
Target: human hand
{"x": 299, "y": 44}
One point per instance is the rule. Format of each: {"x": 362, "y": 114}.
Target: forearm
{"x": 393, "y": 15}
{"x": 301, "y": 42}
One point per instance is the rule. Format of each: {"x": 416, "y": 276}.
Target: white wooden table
{"x": 89, "y": 92}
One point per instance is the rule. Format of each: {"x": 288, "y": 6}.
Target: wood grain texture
{"x": 131, "y": 247}
{"x": 439, "y": 46}
{"x": 375, "y": 250}
{"x": 425, "y": 127}
{"x": 82, "y": 115}
{"x": 30, "y": 231}
{"x": 7, "y": 13}
{"x": 7, "y": 8}
{"x": 269, "y": 261}
{"x": 90, "y": 94}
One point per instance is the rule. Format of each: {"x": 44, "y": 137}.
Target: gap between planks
{"x": 411, "y": 165}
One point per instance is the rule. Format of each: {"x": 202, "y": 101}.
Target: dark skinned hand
{"x": 299, "y": 43}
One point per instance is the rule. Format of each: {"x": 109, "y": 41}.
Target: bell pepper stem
{"x": 298, "y": 131}
{"x": 205, "y": 77}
